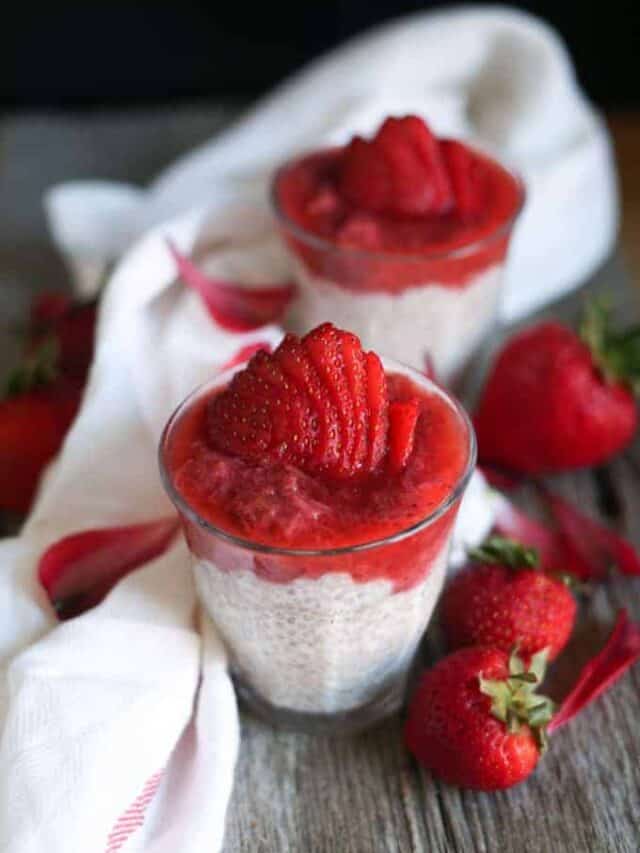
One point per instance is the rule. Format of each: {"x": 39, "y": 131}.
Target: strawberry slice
{"x": 79, "y": 570}
{"x": 296, "y": 365}
{"x": 365, "y": 179}
{"x": 403, "y": 417}
{"x": 419, "y": 178}
{"x": 400, "y": 171}
{"x": 254, "y": 418}
{"x": 324, "y": 345}
{"x": 378, "y": 405}
{"x": 296, "y": 405}
{"x": 465, "y": 178}
{"x": 232, "y": 306}
{"x": 514, "y": 524}
{"x": 355, "y": 365}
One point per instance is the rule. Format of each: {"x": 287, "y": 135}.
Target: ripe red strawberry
{"x": 35, "y": 415}
{"x": 71, "y": 325}
{"x": 399, "y": 172}
{"x": 555, "y": 401}
{"x": 319, "y": 403}
{"x": 476, "y": 721}
{"x": 403, "y": 416}
{"x": 503, "y": 600}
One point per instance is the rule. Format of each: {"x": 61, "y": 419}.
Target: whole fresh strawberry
{"x": 54, "y": 316}
{"x": 476, "y": 720}
{"x": 556, "y": 401}
{"x": 35, "y": 414}
{"x": 502, "y": 599}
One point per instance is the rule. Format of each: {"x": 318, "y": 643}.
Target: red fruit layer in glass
{"x": 280, "y": 506}
{"x": 456, "y": 246}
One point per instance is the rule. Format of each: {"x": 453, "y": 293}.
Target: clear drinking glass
{"x": 314, "y": 644}
{"x": 428, "y": 308}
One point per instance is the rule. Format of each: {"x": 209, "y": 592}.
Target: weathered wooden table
{"x": 304, "y": 794}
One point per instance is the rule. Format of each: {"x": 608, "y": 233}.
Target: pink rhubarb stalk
{"x": 514, "y": 524}
{"x": 592, "y": 549}
{"x": 233, "y": 306}
{"x": 244, "y": 354}
{"x": 79, "y": 570}
{"x": 621, "y": 650}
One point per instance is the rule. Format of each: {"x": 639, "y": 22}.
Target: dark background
{"x": 89, "y": 53}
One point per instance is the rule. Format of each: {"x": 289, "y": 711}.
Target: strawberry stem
{"x": 40, "y": 368}
{"x": 499, "y": 550}
{"x": 616, "y": 354}
{"x": 514, "y": 700}
{"x": 621, "y": 650}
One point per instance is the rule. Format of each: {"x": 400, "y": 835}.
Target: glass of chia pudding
{"x": 317, "y": 488}
{"x": 403, "y": 239}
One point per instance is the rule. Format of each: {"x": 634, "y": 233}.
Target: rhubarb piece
{"x": 620, "y": 652}
{"x": 244, "y": 354}
{"x": 79, "y": 570}
{"x": 592, "y": 549}
{"x": 232, "y": 306}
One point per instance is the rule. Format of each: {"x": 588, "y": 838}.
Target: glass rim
{"x": 321, "y": 243}
{"x": 248, "y": 544}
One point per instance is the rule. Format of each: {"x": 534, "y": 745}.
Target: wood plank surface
{"x": 304, "y": 794}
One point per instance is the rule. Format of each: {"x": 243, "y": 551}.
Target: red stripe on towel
{"x": 133, "y": 818}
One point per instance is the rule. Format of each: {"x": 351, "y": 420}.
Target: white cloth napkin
{"x": 91, "y": 711}
{"x": 119, "y": 729}
{"x": 494, "y": 75}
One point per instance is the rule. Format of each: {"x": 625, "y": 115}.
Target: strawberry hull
{"x": 433, "y": 282}
{"x": 322, "y": 591}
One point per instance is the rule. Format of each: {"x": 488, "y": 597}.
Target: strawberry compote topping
{"x": 315, "y": 447}
{"x": 404, "y": 192}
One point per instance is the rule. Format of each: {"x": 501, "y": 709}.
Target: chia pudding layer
{"x": 326, "y": 645}
{"x": 419, "y": 287}
{"x": 429, "y": 324}
{"x": 321, "y": 589}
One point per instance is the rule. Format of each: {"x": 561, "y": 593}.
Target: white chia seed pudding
{"x": 440, "y": 321}
{"x": 323, "y": 645}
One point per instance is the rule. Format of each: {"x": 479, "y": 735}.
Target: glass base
{"x": 387, "y": 702}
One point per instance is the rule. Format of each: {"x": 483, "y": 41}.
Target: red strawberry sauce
{"x": 311, "y": 205}
{"x": 279, "y": 505}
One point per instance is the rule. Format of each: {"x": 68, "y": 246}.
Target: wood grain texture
{"x": 303, "y": 794}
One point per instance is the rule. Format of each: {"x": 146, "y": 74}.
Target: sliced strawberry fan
{"x": 233, "y": 306}
{"x": 79, "y": 570}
